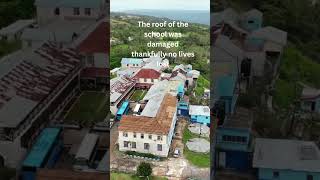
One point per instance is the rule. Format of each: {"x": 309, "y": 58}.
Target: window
{"x": 126, "y": 144}
{"x": 90, "y": 60}
{"x": 250, "y": 22}
{"x": 309, "y": 177}
{"x": 134, "y": 135}
{"x": 76, "y": 11}
{"x": 142, "y": 136}
{"x": 159, "y": 138}
{"x": 87, "y": 11}
{"x": 57, "y": 12}
{"x": 275, "y": 174}
{"x": 125, "y": 134}
{"x": 150, "y": 136}
{"x": 134, "y": 145}
{"x": 236, "y": 139}
{"x": 146, "y": 146}
{"x": 159, "y": 147}
{"x": 145, "y": 79}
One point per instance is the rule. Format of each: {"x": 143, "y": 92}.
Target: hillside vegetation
{"x": 195, "y": 38}
{"x": 300, "y": 63}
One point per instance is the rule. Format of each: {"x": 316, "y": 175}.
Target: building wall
{"x": 256, "y": 23}
{"x": 235, "y": 160}
{"x": 258, "y": 60}
{"x": 101, "y": 60}
{"x": 267, "y": 174}
{"x": 200, "y": 119}
{"x": 68, "y": 13}
{"x": 306, "y": 105}
{"x": 227, "y": 145}
{"x": 140, "y": 143}
{"x": 45, "y": 15}
{"x": 143, "y": 80}
{"x": 165, "y": 141}
{"x": 124, "y": 65}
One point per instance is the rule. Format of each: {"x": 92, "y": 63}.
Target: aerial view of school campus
{"x": 265, "y": 95}
{"x": 159, "y": 104}
{"x": 53, "y": 89}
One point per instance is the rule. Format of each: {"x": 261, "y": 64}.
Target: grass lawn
{"x": 88, "y": 109}
{"x": 202, "y": 83}
{"x": 198, "y": 159}
{"x": 138, "y": 95}
{"x": 9, "y": 47}
{"x": 295, "y": 68}
{"x": 123, "y": 176}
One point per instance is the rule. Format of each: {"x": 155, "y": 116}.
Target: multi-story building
{"x": 150, "y": 134}
{"x": 74, "y": 16}
{"x": 49, "y": 10}
{"x": 147, "y": 77}
{"x": 35, "y": 86}
{"x": 94, "y": 51}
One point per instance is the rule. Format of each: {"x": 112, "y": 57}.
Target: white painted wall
{"x": 149, "y": 81}
{"x": 140, "y": 143}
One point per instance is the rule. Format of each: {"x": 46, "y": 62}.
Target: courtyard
{"x": 88, "y": 109}
{"x": 138, "y": 95}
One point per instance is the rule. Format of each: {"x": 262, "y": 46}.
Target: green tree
{"x": 144, "y": 169}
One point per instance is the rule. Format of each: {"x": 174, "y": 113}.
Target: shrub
{"x": 144, "y": 169}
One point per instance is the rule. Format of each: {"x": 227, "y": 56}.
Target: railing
{"x": 45, "y": 103}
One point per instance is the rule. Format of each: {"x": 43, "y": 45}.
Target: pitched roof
{"x": 148, "y": 74}
{"x": 227, "y": 15}
{"x": 286, "y": 154}
{"x": 28, "y": 76}
{"x": 160, "y": 124}
{"x": 270, "y": 33}
{"x": 97, "y": 40}
{"x": 224, "y": 49}
{"x": 16, "y": 26}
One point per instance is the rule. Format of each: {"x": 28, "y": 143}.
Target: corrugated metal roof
{"x": 286, "y": 155}
{"x": 123, "y": 107}
{"x": 87, "y": 146}
{"x": 16, "y": 26}
{"x": 199, "y": 110}
{"x": 131, "y": 61}
{"x": 41, "y": 148}
{"x": 160, "y": 124}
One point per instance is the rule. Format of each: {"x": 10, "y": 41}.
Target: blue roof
{"x": 131, "y": 61}
{"x": 41, "y": 148}
{"x": 180, "y": 88}
{"x": 123, "y": 107}
{"x": 225, "y": 86}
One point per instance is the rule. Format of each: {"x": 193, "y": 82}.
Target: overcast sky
{"x": 123, "y": 5}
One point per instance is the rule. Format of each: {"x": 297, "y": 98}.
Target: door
{"x": 222, "y": 159}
